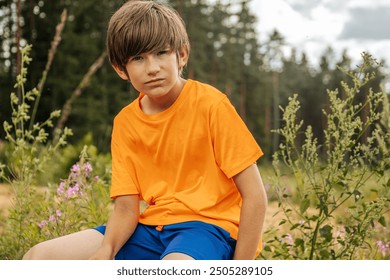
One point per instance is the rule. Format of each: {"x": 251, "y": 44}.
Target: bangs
{"x": 144, "y": 26}
{"x": 150, "y": 34}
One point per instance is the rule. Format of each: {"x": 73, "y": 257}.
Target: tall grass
{"x": 40, "y": 213}
{"x": 340, "y": 205}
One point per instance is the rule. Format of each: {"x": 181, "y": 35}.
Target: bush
{"x": 340, "y": 206}
{"x": 40, "y": 213}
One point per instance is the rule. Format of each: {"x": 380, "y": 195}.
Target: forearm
{"x": 250, "y": 229}
{"x": 254, "y": 204}
{"x": 119, "y": 228}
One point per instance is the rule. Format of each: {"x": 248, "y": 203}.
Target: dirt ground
{"x": 5, "y": 198}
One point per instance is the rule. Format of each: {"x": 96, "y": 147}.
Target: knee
{"x": 35, "y": 253}
{"x": 28, "y": 255}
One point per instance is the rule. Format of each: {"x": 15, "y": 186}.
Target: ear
{"x": 122, "y": 73}
{"x": 182, "y": 57}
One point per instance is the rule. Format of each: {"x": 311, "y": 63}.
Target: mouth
{"x": 154, "y": 81}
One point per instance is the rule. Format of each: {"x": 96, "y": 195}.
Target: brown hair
{"x": 144, "y": 26}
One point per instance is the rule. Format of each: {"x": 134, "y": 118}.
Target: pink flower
{"x": 383, "y": 247}
{"x": 61, "y": 188}
{"x": 71, "y": 192}
{"x": 341, "y": 232}
{"x": 75, "y": 168}
{"x": 87, "y": 167}
{"x": 58, "y": 213}
{"x": 289, "y": 239}
{"x": 74, "y": 191}
{"x": 43, "y": 224}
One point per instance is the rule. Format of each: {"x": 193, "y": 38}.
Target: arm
{"x": 254, "y": 204}
{"x": 120, "y": 226}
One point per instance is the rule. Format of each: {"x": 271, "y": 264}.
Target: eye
{"x": 162, "y": 52}
{"x": 136, "y": 58}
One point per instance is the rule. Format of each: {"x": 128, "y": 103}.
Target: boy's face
{"x": 156, "y": 73}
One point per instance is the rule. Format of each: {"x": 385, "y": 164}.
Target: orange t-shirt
{"x": 181, "y": 161}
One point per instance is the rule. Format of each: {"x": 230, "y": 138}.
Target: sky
{"x": 314, "y": 25}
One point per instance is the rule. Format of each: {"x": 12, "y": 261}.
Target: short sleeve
{"x": 123, "y": 171}
{"x": 234, "y": 145}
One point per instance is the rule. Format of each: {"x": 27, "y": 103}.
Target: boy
{"x": 181, "y": 147}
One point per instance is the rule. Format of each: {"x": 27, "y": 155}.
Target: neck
{"x": 155, "y": 105}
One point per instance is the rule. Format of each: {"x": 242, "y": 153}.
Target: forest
{"x": 225, "y": 52}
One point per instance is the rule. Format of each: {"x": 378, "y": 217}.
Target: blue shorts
{"x": 199, "y": 240}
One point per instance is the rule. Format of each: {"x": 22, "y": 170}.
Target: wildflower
{"x": 75, "y": 168}
{"x": 341, "y": 232}
{"x": 61, "y": 188}
{"x": 52, "y": 218}
{"x": 70, "y": 192}
{"x": 289, "y": 239}
{"x": 383, "y": 247}
{"x": 87, "y": 167}
{"x": 74, "y": 191}
{"x": 58, "y": 213}
{"x": 43, "y": 224}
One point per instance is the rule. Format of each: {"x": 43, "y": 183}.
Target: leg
{"x": 196, "y": 240}
{"x": 144, "y": 244}
{"x": 177, "y": 256}
{"x": 75, "y": 246}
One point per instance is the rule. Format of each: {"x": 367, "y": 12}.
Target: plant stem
{"x": 52, "y": 51}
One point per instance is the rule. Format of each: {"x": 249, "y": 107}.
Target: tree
{"x": 273, "y": 63}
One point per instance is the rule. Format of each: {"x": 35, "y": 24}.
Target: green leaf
{"x": 295, "y": 226}
{"x": 324, "y": 254}
{"x": 283, "y": 221}
{"x": 300, "y": 243}
{"x": 326, "y": 232}
{"x": 382, "y": 221}
{"x": 267, "y": 248}
{"x": 305, "y": 203}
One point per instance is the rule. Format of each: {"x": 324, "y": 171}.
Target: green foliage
{"x": 338, "y": 165}
{"x": 27, "y": 152}
{"x": 61, "y": 162}
{"x": 79, "y": 202}
{"x": 342, "y": 193}
{"x": 39, "y": 213}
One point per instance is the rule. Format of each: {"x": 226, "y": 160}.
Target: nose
{"x": 152, "y": 66}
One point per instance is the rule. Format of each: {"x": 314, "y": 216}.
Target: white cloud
{"x": 366, "y": 3}
{"x": 313, "y": 25}
{"x": 278, "y": 14}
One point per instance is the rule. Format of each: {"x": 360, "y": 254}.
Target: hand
{"x": 103, "y": 253}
